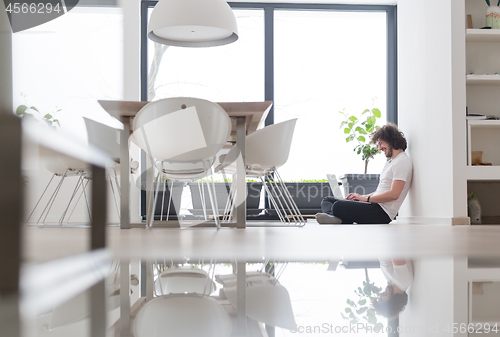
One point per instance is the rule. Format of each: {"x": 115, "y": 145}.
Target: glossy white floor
{"x": 312, "y": 242}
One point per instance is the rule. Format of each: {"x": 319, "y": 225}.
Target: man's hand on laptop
{"x": 357, "y": 197}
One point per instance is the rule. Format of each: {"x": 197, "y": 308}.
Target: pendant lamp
{"x": 192, "y": 23}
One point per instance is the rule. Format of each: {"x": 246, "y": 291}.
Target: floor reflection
{"x": 388, "y": 297}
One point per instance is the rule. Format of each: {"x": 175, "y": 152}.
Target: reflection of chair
{"x": 266, "y": 150}
{"x": 184, "y": 279}
{"x": 267, "y": 300}
{"x": 182, "y": 137}
{"x": 187, "y": 315}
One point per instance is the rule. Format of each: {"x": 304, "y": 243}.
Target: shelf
{"x": 484, "y": 123}
{"x": 483, "y": 35}
{"x": 483, "y": 79}
{"x": 483, "y": 173}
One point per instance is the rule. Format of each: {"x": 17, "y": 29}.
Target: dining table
{"x": 246, "y": 118}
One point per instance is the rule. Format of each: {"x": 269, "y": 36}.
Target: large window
{"x": 326, "y": 61}
{"x": 311, "y": 60}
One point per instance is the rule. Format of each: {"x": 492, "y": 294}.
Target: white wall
{"x": 437, "y": 298}
{"x": 431, "y": 95}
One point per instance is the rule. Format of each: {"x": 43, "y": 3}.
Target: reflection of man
{"x": 399, "y": 275}
{"x": 381, "y": 206}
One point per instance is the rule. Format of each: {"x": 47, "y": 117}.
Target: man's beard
{"x": 388, "y": 153}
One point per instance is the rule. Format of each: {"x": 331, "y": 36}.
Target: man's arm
{"x": 392, "y": 194}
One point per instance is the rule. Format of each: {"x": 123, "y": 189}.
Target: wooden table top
{"x": 255, "y": 112}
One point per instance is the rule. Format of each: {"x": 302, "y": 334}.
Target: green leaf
{"x": 33, "y": 108}
{"x": 347, "y": 130}
{"x": 365, "y": 111}
{"x": 21, "y": 110}
{"x": 344, "y": 316}
{"x": 371, "y": 312}
{"x": 353, "y": 119}
{"x": 351, "y": 315}
{"x": 376, "y": 112}
{"x": 378, "y": 327}
{"x": 362, "y": 302}
{"x": 371, "y": 120}
{"x": 348, "y": 310}
{"x": 361, "y": 139}
{"x": 351, "y": 125}
{"x": 361, "y": 310}
{"x": 343, "y": 123}
{"x": 354, "y": 321}
{"x": 47, "y": 116}
{"x": 372, "y": 320}
{"x": 351, "y": 303}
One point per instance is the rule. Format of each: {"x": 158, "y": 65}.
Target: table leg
{"x": 241, "y": 204}
{"x": 124, "y": 176}
{"x": 125, "y": 327}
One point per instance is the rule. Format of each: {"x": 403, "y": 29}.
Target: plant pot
{"x": 221, "y": 192}
{"x": 164, "y": 197}
{"x": 359, "y": 183}
{"x": 493, "y": 17}
{"x": 307, "y": 196}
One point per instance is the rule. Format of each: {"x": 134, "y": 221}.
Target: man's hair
{"x": 390, "y": 134}
{"x": 392, "y": 307}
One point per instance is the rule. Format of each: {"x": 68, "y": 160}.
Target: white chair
{"x": 63, "y": 167}
{"x": 182, "y": 137}
{"x": 107, "y": 138}
{"x": 266, "y": 150}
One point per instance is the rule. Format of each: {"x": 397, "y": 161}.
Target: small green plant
{"x": 488, "y": 2}
{"x": 361, "y": 309}
{"x": 358, "y": 129}
{"x": 25, "y": 111}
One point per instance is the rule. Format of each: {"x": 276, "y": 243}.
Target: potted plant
{"x": 358, "y": 130}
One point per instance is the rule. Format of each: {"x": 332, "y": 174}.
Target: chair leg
{"x": 77, "y": 201}
{"x": 153, "y": 208}
{"x": 75, "y": 191}
{"x": 202, "y": 198}
{"x": 45, "y": 190}
{"x": 48, "y": 207}
{"x": 270, "y": 190}
{"x": 216, "y": 218}
{"x": 163, "y": 200}
{"x": 170, "y": 200}
{"x": 296, "y": 214}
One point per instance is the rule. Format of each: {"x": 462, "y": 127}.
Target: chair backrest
{"x": 270, "y": 146}
{"x": 182, "y": 129}
{"x": 103, "y": 137}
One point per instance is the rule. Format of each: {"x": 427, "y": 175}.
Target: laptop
{"x": 337, "y": 192}
{"x": 334, "y": 185}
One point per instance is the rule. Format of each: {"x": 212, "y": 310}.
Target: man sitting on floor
{"x": 381, "y": 206}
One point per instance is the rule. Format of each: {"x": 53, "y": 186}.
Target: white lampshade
{"x": 192, "y": 23}
{"x": 185, "y": 315}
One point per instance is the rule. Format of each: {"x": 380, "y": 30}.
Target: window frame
{"x": 269, "y": 10}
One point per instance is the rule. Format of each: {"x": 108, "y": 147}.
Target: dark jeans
{"x": 353, "y": 211}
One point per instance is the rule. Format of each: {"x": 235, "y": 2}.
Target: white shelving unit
{"x": 483, "y": 97}
{"x": 474, "y": 79}
{"x": 483, "y": 35}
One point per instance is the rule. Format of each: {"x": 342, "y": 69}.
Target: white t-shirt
{"x": 399, "y": 168}
{"x": 400, "y": 276}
